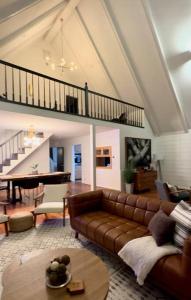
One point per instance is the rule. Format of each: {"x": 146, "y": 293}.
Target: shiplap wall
{"x": 175, "y": 151}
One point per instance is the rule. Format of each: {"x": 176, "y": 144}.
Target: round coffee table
{"x": 28, "y": 280}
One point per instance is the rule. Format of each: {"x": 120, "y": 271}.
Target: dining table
{"x": 16, "y": 180}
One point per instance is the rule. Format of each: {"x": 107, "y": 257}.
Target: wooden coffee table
{"x": 28, "y": 280}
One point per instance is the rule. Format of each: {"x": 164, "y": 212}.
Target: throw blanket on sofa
{"x": 141, "y": 254}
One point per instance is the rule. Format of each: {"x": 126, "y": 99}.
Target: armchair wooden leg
{"x": 20, "y": 195}
{"x": 64, "y": 208}
{"x": 34, "y": 219}
{"x": 6, "y": 229}
{"x": 76, "y": 235}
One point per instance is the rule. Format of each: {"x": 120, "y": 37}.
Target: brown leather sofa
{"x": 111, "y": 219}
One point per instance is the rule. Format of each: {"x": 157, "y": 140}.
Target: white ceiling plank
{"x": 28, "y": 17}
{"x": 9, "y": 9}
{"x": 30, "y": 30}
{"x": 129, "y": 62}
{"x": 65, "y": 14}
{"x": 97, "y": 53}
{"x": 18, "y": 42}
{"x": 158, "y": 45}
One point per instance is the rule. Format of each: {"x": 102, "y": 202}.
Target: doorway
{"x": 77, "y": 162}
{"x": 57, "y": 159}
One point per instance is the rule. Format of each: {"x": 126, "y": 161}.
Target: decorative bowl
{"x": 69, "y": 277}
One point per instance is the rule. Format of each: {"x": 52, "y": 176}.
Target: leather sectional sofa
{"x": 111, "y": 219}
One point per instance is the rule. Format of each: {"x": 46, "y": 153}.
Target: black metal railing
{"x": 11, "y": 148}
{"x": 26, "y": 87}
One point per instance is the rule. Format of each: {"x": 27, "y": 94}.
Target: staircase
{"x": 16, "y": 149}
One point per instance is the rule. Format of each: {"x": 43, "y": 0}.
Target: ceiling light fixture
{"x": 61, "y": 65}
{"x": 30, "y": 138}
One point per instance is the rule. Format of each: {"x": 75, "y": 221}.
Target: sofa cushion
{"x": 162, "y": 227}
{"x": 182, "y": 215}
{"x": 109, "y": 230}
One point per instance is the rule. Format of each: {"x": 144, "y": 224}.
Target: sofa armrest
{"x": 186, "y": 257}
{"x": 85, "y": 202}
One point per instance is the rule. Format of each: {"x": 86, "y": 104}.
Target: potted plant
{"x": 128, "y": 175}
{"x": 34, "y": 169}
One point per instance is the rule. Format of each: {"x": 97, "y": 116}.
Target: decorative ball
{"x": 54, "y": 266}
{"x": 53, "y": 278}
{"x": 65, "y": 260}
{"x": 61, "y": 269}
{"x": 58, "y": 259}
{"x": 48, "y": 270}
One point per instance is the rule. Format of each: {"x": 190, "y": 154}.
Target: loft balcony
{"x": 22, "y": 86}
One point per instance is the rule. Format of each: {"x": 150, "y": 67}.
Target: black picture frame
{"x": 138, "y": 150}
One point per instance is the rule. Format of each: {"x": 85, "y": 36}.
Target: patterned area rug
{"x": 52, "y": 234}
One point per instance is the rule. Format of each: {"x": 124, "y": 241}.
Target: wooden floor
{"x": 28, "y": 205}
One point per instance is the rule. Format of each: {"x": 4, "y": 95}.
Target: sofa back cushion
{"x": 133, "y": 207}
{"x": 84, "y": 202}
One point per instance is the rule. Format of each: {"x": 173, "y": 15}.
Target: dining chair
{"x": 29, "y": 184}
{"x": 51, "y": 200}
{"x": 4, "y": 218}
{"x": 5, "y": 187}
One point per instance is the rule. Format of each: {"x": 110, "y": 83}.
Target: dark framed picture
{"x": 138, "y": 151}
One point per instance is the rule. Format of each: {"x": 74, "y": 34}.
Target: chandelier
{"x": 61, "y": 63}
{"x": 31, "y": 138}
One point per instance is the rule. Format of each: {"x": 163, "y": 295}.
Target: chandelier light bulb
{"x": 63, "y": 62}
{"x": 53, "y": 66}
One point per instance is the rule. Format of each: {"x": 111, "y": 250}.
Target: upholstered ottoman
{"x": 20, "y": 221}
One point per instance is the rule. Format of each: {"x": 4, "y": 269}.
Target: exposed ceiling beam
{"x": 130, "y": 64}
{"x": 10, "y": 11}
{"x": 65, "y": 14}
{"x": 159, "y": 48}
{"x": 97, "y": 53}
{"x": 30, "y": 30}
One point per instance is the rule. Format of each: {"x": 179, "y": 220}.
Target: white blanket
{"x": 141, "y": 254}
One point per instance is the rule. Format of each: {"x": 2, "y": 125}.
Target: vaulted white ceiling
{"x": 135, "y": 50}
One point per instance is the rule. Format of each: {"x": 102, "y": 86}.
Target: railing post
{"x": 86, "y": 100}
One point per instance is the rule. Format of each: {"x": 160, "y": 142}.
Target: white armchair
{"x": 4, "y": 217}
{"x": 51, "y": 200}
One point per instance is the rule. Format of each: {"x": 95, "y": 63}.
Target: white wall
{"x": 39, "y": 156}
{"x": 109, "y": 178}
{"x": 85, "y": 147}
{"x": 176, "y": 153}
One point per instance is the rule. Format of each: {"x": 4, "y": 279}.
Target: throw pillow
{"x": 182, "y": 216}
{"x": 162, "y": 227}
